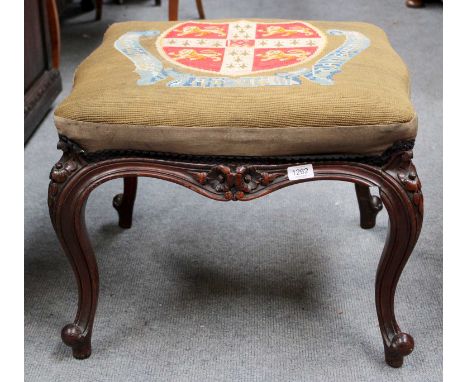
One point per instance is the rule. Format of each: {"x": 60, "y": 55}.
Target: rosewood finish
{"x": 78, "y": 173}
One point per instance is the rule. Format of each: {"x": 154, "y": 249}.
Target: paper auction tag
{"x": 300, "y": 172}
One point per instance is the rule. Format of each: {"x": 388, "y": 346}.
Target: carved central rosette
{"x": 234, "y": 183}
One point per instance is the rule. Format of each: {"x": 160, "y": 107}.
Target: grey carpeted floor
{"x": 279, "y": 289}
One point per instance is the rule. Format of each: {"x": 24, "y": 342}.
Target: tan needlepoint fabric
{"x": 240, "y": 87}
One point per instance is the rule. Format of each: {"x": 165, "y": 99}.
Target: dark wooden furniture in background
{"x": 42, "y": 81}
{"x": 62, "y": 5}
{"x": 71, "y": 8}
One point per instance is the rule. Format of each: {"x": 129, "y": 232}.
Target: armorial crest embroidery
{"x": 237, "y": 50}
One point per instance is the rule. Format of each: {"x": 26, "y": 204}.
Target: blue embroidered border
{"x": 151, "y": 70}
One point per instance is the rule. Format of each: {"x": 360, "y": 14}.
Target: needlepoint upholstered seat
{"x": 240, "y": 88}
{"x": 235, "y": 109}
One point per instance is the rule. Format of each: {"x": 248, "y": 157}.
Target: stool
{"x": 234, "y": 110}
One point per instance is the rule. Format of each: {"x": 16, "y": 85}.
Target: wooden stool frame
{"x": 78, "y": 173}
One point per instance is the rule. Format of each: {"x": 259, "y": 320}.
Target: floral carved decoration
{"x": 63, "y": 169}
{"x": 235, "y": 183}
{"x": 405, "y": 172}
{"x": 58, "y": 175}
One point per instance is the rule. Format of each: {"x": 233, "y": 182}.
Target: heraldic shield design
{"x": 232, "y": 53}
{"x": 240, "y": 47}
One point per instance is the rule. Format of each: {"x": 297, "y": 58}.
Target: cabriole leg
{"x": 404, "y": 202}
{"x": 67, "y": 202}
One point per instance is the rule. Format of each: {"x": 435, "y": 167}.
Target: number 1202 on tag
{"x": 300, "y": 172}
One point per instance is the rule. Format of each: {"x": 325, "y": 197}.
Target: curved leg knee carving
{"x": 123, "y": 203}
{"x": 404, "y": 201}
{"x": 67, "y": 202}
{"x": 369, "y": 206}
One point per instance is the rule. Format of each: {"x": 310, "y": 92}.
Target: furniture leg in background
{"x": 173, "y": 8}
{"x": 98, "y": 9}
{"x": 415, "y": 3}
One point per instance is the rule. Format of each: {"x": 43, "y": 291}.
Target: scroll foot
{"x": 401, "y": 345}
{"x": 402, "y": 196}
{"x": 72, "y": 336}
